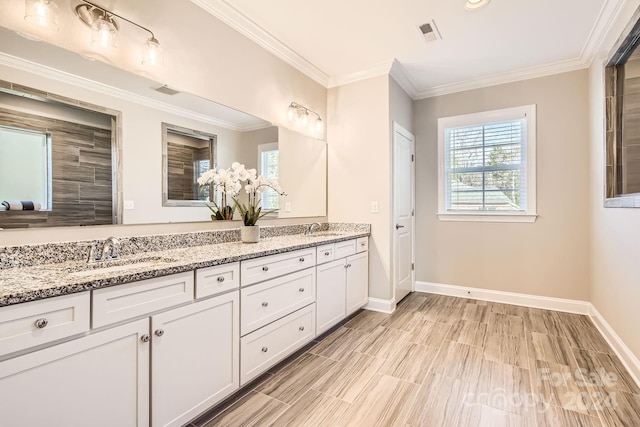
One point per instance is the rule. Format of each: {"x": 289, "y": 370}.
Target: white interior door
{"x": 403, "y": 205}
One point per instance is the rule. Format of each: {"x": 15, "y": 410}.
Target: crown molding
{"x": 400, "y": 76}
{"x": 241, "y": 23}
{"x": 82, "y": 82}
{"x": 606, "y": 18}
{"x": 379, "y": 69}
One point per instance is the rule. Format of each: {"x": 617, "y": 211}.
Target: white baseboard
{"x": 381, "y": 305}
{"x": 626, "y": 356}
{"x": 536, "y": 301}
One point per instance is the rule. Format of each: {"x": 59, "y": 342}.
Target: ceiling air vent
{"x": 166, "y": 90}
{"x": 430, "y": 31}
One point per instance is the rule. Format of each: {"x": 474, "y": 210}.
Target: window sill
{"x": 487, "y": 217}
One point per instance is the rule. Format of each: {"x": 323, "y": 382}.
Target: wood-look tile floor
{"x": 445, "y": 361}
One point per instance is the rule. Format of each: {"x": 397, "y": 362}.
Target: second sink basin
{"x": 118, "y": 265}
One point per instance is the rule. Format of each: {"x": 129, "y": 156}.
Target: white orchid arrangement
{"x": 229, "y": 183}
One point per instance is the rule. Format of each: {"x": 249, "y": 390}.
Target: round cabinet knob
{"x": 265, "y": 349}
{"x": 265, "y": 304}
{"x": 145, "y": 338}
{"x": 301, "y": 259}
{"x": 301, "y": 290}
{"x": 362, "y": 244}
{"x": 327, "y": 253}
{"x": 42, "y": 323}
{"x": 159, "y": 332}
{"x": 265, "y": 268}
{"x": 220, "y": 279}
{"x": 301, "y": 328}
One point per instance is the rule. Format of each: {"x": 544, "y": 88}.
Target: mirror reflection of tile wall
{"x": 81, "y": 173}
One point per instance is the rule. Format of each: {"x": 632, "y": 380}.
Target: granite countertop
{"x": 18, "y": 285}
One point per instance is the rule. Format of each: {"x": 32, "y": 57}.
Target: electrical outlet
{"x": 129, "y": 205}
{"x": 287, "y": 207}
{"x": 374, "y": 207}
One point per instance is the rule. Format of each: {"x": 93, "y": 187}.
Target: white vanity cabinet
{"x": 194, "y": 358}
{"x": 342, "y": 285}
{"x": 99, "y": 380}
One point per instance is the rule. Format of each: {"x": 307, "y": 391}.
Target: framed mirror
{"x": 622, "y": 116}
{"x": 186, "y": 154}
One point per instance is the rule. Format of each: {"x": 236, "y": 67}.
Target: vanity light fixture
{"x": 475, "y": 4}
{"x": 43, "y": 13}
{"x": 300, "y": 115}
{"x": 104, "y": 31}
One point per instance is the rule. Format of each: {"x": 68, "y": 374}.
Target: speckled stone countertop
{"x": 23, "y": 284}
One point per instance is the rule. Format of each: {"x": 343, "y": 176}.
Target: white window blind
{"x": 269, "y": 168}
{"x": 485, "y": 167}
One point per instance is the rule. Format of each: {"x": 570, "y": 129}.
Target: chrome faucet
{"x": 309, "y": 231}
{"x": 111, "y": 249}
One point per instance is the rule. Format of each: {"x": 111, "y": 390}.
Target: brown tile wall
{"x": 181, "y": 160}
{"x": 81, "y": 174}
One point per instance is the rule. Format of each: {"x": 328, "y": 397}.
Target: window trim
{"x": 514, "y": 113}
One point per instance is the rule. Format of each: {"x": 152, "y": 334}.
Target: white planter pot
{"x": 250, "y": 233}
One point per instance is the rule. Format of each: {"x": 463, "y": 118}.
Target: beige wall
{"x": 615, "y": 232}
{"x": 359, "y": 168}
{"x": 549, "y": 257}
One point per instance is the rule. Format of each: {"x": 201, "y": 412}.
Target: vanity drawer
{"x": 217, "y": 279}
{"x": 39, "y": 322}
{"x": 344, "y": 249}
{"x": 265, "y": 268}
{"x": 271, "y": 300}
{"x": 267, "y": 346}
{"x": 362, "y": 244}
{"x": 111, "y": 305}
{"x": 325, "y": 253}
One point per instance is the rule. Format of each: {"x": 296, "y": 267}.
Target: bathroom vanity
{"x": 161, "y": 337}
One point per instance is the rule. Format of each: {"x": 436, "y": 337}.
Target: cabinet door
{"x": 357, "y": 281}
{"x": 330, "y": 294}
{"x": 195, "y": 358}
{"x": 97, "y": 380}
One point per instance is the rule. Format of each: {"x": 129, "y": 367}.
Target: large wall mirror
{"x": 622, "y": 92}
{"x": 144, "y": 195}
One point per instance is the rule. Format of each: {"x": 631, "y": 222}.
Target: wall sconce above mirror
{"x": 305, "y": 118}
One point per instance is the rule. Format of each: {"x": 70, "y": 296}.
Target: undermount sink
{"x": 118, "y": 265}
{"x": 325, "y": 234}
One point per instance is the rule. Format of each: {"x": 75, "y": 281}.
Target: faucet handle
{"x": 93, "y": 255}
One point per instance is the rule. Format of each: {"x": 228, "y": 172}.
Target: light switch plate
{"x": 129, "y": 205}
{"x": 374, "y": 207}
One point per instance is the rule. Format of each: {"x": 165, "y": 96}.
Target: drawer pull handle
{"x": 265, "y": 349}
{"x": 301, "y": 328}
{"x": 42, "y": 323}
{"x": 145, "y": 338}
{"x": 327, "y": 253}
{"x": 265, "y": 304}
{"x": 301, "y": 290}
{"x": 362, "y": 244}
{"x": 159, "y": 332}
{"x": 301, "y": 259}
{"x": 349, "y": 265}
{"x": 265, "y": 268}
{"x": 221, "y": 279}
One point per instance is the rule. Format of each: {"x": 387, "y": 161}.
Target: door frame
{"x": 398, "y": 129}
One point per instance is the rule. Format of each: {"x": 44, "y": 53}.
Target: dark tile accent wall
{"x": 631, "y": 136}
{"x": 181, "y": 159}
{"x": 81, "y": 174}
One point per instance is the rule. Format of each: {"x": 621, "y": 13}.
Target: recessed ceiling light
{"x": 475, "y": 4}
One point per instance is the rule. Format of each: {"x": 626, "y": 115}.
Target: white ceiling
{"x": 338, "y": 41}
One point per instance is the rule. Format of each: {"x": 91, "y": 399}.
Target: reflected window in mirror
{"x": 269, "y": 163}
{"x": 622, "y": 140}
{"x": 25, "y": 172}
{"x": 187, "y": 154}
{"x": 58, "y": 158}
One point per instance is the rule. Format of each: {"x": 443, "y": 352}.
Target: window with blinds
{"x": 487, "y": 164}
{"x": 269, "y": 168}
{"x": 485, "y": 167}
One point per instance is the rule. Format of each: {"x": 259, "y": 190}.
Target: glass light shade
{"x": 104, "y": 34}
{"x": 152, "y": 54}
{"x": 42, "y": 12}
{"x": 319, "y": 125}
{"x": 305, "y": 119}
{"x": 291, "y": 114}
{"x": 475, "y": 4}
